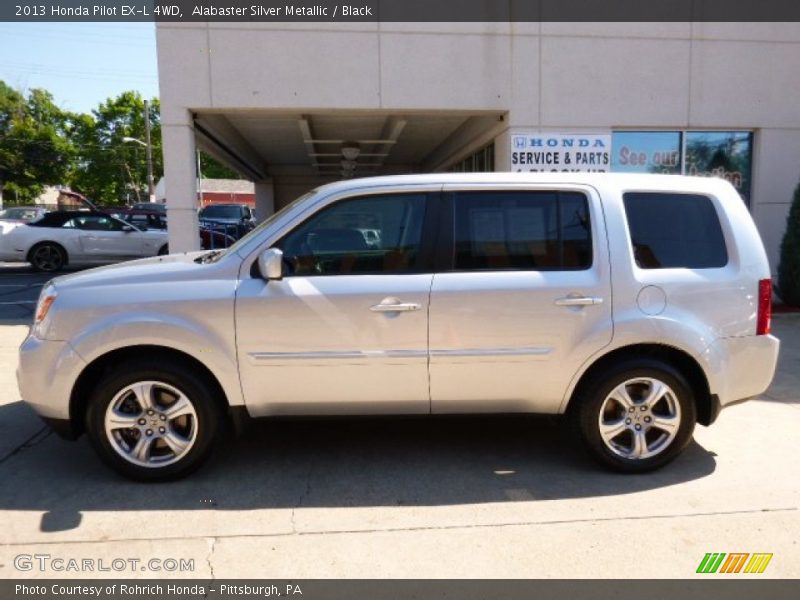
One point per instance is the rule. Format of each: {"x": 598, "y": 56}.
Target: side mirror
{"x": 270, "y": 264}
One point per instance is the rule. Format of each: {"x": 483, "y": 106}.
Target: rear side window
{"x": 533, "y": 231}
{"x": 671, "y": 230}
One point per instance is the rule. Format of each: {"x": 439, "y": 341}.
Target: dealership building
{"x": 291, "y": 106}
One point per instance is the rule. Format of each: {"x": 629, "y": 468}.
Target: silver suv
{"x": 637, "y": 305}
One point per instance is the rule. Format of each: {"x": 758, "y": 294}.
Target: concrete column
{"x": 265, "y": 199}
{"x": 180, "y": 181}
{"x": 502, "y": 145}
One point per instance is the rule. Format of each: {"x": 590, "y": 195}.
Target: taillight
{"x": 764, "y": 307}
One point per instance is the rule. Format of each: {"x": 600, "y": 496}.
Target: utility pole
{"x": 151, "y": 190}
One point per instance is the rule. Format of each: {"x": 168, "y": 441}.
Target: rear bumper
{"x": 745, "y": 367}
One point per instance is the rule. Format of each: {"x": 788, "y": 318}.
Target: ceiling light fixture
{"x": 351, "y": 150}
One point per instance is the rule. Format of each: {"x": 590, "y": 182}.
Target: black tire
{"x": 585, "y": 414}
{"x": 47, "y": 257}
{"x": 164, "y": 250}
{"x": 208, "y": 412}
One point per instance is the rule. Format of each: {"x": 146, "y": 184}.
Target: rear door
{"x": 522, "y": 300}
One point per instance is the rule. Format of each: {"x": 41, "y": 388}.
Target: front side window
{"x": 95, "y": 223}
{"x": 670, "y": 230}
{"x": 541, "y": 231}
{"x": 373, "y": 234}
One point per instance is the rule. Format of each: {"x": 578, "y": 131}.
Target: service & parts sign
{"x": 561, "y": 152}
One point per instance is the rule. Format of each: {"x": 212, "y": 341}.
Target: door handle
{"x": 579, "y": 301}
{"x": 396, "y": 307}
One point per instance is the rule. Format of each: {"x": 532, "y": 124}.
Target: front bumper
{"x": 46, "y": 374}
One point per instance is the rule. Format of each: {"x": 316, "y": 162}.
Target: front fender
{"x": 192, "y": 337}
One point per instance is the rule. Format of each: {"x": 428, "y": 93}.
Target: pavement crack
{"x": 212, "y": 545}
{"x": 457, "y": 526}
{"x": 32, "y": 441}
{"x": 303, "y": 495}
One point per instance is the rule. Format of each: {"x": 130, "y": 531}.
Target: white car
{"x": 75, "y": 237}
{"x": 636, "y": 305}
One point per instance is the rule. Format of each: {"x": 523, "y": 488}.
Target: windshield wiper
{"x": 208, "y": 256}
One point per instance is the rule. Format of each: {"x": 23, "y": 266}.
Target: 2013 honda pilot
{"x": 636, "y": 305}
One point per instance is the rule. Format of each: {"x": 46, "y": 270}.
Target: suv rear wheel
{"x": 153, "y": 422}
{"x": 636, "y": 416}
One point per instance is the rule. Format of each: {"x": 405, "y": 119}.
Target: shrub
{"x": 789, "y": 268}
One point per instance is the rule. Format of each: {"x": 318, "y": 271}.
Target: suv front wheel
{"x": 636, "y": 416}
{"x": 153, "y": 421}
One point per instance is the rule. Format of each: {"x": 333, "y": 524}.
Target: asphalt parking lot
{"x": 487, "y": 497}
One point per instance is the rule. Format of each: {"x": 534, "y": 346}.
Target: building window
{"x": 481, "y": 161}
{"x": 726, "y": 154}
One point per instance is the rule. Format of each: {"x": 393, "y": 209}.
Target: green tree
{"x": 789, "y": 268}
{"x": 34, "y": 146}
{"x": 212, "y": 169}
{"x": 109, "y": 169}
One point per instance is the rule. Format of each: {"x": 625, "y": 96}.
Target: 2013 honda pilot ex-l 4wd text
{"x": 637, "y": 305}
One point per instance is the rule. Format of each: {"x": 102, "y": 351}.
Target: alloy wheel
{"x": 151, "y": 424}
{"x": 47, "y": 258}
{"x": 640, "y": 418}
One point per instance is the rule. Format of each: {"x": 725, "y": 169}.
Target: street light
{"x": 151, "y": 190}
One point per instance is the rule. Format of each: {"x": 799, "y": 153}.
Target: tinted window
{"x": 542, "y": 231}
{"x": 375, "y": 234}
{"x": 221, "y": 212}
{"x": 148, "y": 221}
{"x": 151, "y": 206}
{"x": 675, "y": 230}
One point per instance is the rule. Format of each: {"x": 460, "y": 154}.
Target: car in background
{"x": 77, "y": 237}
{"x": 156, "y": 207}
{"x": 22, "y": 214}
{"x": 210, "y": 239}
{"x": 234, "y": 219}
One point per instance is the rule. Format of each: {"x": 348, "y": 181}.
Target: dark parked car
{"x": 234, "y": 219}
{"x": 156, "y": 207}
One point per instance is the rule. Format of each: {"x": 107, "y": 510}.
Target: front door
{"x": 346, "y": 329}
{"x": 524, "y": 301}
{"x": 106, "y": 238}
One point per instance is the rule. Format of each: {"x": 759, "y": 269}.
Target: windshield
{"x": 26, "y": 214}
{"x": 151, "y": 206}
{"x": 221, "y": 212}
{"x": 267, "y": 222}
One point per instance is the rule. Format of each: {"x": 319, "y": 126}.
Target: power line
{"x": 77, "y": 75}
{"x": 89, "y": 38}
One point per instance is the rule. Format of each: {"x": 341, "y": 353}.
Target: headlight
{"x": 46, "y": 299}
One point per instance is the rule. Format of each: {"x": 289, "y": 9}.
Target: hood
{"x": 173, "y": 267}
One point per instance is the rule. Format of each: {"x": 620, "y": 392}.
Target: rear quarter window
{"x": 671, "y": 230}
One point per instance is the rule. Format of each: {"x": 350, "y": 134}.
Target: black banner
{"x": 745, "y": 587}
{"x": 398, "y": 10}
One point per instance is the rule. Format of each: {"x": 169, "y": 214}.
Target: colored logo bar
{"x": 734, "y": 562}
